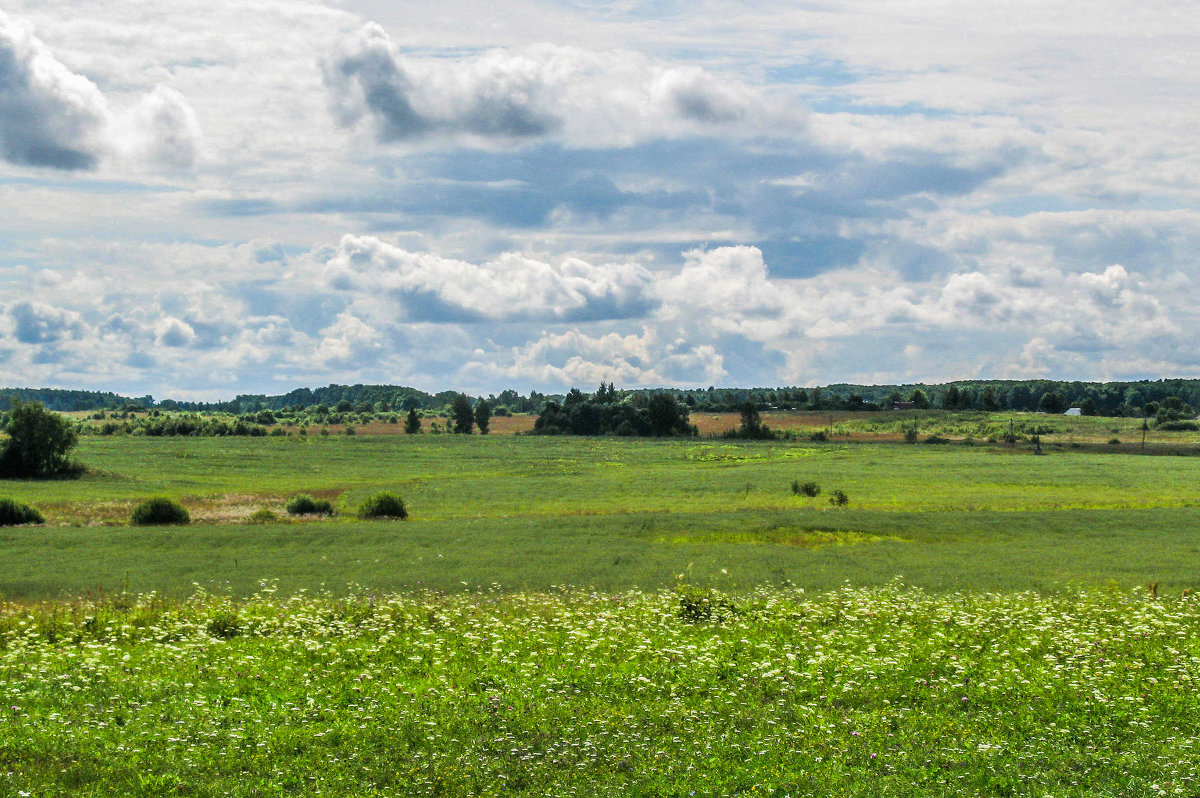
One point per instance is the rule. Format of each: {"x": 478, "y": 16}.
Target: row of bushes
{"x": 163, "y": 511}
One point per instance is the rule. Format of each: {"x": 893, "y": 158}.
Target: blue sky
{"x": 199, "y": 199}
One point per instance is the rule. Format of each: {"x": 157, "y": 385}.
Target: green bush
{"x": 13, "y": 513}
{"x": 910, "y": 435}
{"x": 159, "y": 511}
{"x": 805, "y": 488}
{"x": 307, "y": 505}
{"x": 382, "y": 505}
{"x": 839, "y": 498}
{"x": 263, "y": 515}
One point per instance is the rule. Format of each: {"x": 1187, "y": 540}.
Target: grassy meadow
{"x": 526, "y": 512}
{"x": 575, "y": 616}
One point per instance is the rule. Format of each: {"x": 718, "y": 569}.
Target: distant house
{"x": 1073, "y": 411}
{"x": 903, "y": 405}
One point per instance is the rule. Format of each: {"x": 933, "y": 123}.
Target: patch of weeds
{"x": 263, "y": 515}
{"x": 697, "y": 605}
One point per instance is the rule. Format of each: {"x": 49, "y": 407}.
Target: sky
{"x": 200, "y": 199}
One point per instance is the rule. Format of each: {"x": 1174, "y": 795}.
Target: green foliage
{"x": 697, "y": 605}
{"x": 659, "y": 415}
{"x": 808, "y": 488}
{"x": 224, "y": 624}
{"x": 412, "y": 422}
{"x": 263, "y": 515}
{"x": 304, "y": 504}
{"x": 39, "y": 443}
{"x": 463, "y": 414}
{"x": 14, "y": 513}
{"x": 383, "y": 504}
{"x": 1053, "y": 403}
{"x": 751, "y": 426}
{"x": 159, "y": 511}
{"x": 839, "y": 498}
{"x": 483, "y": 416}
{"x": 910, "y": 435}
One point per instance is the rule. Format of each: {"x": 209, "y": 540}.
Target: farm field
{"x": 613, "y": 514}
{"x": 574, "y": 616}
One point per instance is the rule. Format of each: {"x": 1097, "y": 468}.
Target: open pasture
{"x": 613, "y": 514}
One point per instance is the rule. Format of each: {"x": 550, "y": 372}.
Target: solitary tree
{"x": 463, "y": 414}
{"x": 39, "y": 442}
{"x": 412, "y": 423}
{"x": 483, "y": 416}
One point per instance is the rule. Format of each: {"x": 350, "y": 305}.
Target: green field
{"x": 531, "y": 513}
{"x": 566, "y": 616}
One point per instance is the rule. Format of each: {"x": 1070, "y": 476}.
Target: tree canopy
{"x": 39, "y": 442}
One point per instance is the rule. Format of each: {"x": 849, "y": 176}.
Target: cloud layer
{"x": 458, "y": 194}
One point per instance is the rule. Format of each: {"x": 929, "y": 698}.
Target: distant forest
{"x": 1134, "y": 399}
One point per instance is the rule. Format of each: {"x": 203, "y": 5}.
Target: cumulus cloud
{"x": 39, "y": 323}
{"x": 576, "y": 358}
{"x": 713, "y": 316}
{"x": 511, "y": 288}
{"x": 583, "y": 96}
{"x": 174, "y": 333}
{"x": 53, "y": 117}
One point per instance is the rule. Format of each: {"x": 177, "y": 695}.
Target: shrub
{"x": 910, "y": 435}
{"x": 263, "y": 515}
{"x": 936, "y": 439}
{"x": 839, "y": 498}
{"x": 159, "y": 511}
{"x": 1179, "y": 426}
{"x": 307, "y": 505}
{"x": 805, "y": 488}
{"x": 1114, "y": 441}
{"x": 382, "y": 505}
{"x": 819, "y": 436}
{"x": 13, "y": 513}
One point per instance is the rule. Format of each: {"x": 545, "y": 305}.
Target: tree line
{"x": 1129, "y": 398}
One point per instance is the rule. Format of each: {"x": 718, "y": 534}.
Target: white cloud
{"x": 172, "y": 332}
{"x": 584, "y": 97}
{"x": 53, "y": 117}
{"x": 512, "y": 287}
